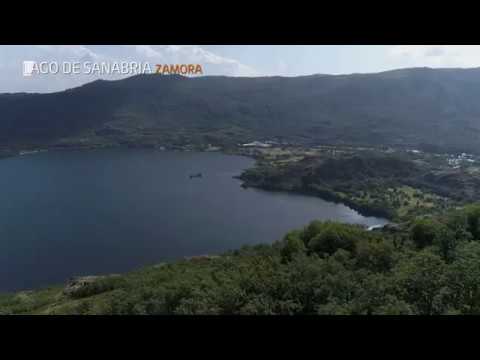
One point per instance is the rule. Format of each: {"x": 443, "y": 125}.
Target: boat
{"x": 199, "y": 175}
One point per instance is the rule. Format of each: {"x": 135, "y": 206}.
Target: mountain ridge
{"x": 416, "y": 107}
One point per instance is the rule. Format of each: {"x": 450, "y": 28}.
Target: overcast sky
{"x": 230, "y": 60}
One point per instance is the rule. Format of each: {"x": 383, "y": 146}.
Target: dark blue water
{"x": 108, "y": 211}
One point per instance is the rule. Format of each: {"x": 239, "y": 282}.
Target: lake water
{"x": 72, "y": 213}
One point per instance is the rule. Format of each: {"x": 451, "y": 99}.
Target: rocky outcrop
{"x": 79, "y": 286}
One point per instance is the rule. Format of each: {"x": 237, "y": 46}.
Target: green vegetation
{"x": 396, "y": 185}
{"x": 429, "y": 266}
{"x": 429, "y": 109}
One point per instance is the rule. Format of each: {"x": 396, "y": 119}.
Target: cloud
{"x": 213, "y": 64}
{"x": 12, "y": 57}
{"x": 435, "y": 55}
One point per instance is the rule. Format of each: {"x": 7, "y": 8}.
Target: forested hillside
{"x": 421, "y": 107}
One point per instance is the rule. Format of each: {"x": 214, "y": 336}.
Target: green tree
{"x": 457, "y": 222}
{"x": 292, "y": 245}
{"x": 473, "y": 220}
{"x": 463, "y": 278}
{"x": 446, "y": 241}
{"x": 423, "y": 232}
{"x": 331, "y": 236}
{"x": 420, "y": 281}
{"x": 375, "y": 254}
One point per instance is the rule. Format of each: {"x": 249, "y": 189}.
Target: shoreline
{"x": 363, "y": 210}
{"x": 231, "y": 153}
{"x": 329, "y": 197}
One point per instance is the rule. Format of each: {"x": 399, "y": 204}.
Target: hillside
{"x": 396, "y": 185}
{"x": 420, "y": 107}
{"x": 426, "y": 267}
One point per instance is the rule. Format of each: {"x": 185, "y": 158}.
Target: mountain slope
{"x": 412, "y": 107}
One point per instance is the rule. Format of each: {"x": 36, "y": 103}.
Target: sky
{"x": 228, "y": 60}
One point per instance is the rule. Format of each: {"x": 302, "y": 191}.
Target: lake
{"x": 69, "y": 213}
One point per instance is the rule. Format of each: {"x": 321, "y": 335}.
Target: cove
{"x": 72, "y": 213}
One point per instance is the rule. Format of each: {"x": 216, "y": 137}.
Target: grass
{"x": 97, "y": 299}
{"x": 404, "y": 200}
{"x": 27, "y": 302}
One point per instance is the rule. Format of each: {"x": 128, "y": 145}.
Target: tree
{"x": 329, "y": 236}
{"x": 375, "y": 255}
{"x": 446, "y": 241}
{"x": 423, "y": 232}
{"x": 292, "y": 245}
{"x": 463, "y": 279}
{"x": 457, "y": 222}
{"x": 473, "y": 220}
{"x": 420, "y": 281}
